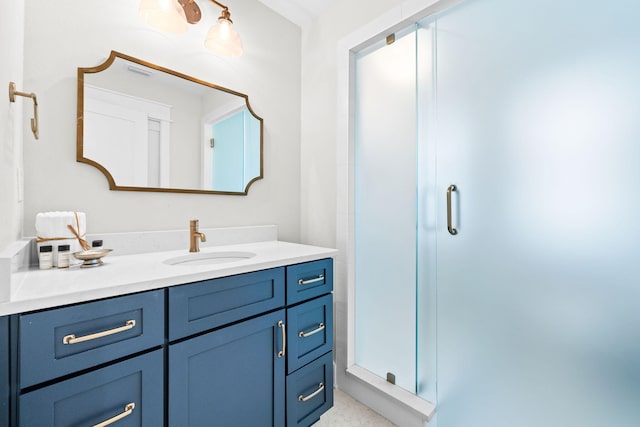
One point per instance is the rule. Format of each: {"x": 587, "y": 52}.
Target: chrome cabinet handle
{"x": 72, "y": 339}
{"x": 128, "y": 410}
{"x": 315, "y": 331}
{"x": 302, "y": 398}
{"x": 451, "y": 189}
{"x": 320, "y": 278}
{"x": 283, "y": 328}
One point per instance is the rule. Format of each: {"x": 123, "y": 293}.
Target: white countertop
{"x": 36, "y": 289}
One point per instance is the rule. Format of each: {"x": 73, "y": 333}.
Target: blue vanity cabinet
{"x": 233, "y": 376}
{"x": 126, "y": 394}
{"x": 253, "y": 349}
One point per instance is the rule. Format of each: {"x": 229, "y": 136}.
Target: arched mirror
{"x": 148, "y": 128}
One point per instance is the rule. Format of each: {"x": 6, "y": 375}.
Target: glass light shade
{"x": 223, "y": 39}
{"x": 164, "y": 15}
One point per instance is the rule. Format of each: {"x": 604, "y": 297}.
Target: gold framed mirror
{"x": 149, "y": 128}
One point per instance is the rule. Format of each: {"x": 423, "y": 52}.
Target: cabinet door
{"x": 229, "y": 377}
{"x": 126, "y": 394}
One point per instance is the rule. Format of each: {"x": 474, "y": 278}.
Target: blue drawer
{"x": 61, "y": 341}
{"x": 309, "y": 280}
{"x": 310, "y": 334}
{"x": 132, "y": 389}
{"x": 310, "y": 392}
{"x": 201, "y": 306}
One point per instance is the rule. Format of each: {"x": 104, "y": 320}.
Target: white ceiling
{"x": 300, "y": 12}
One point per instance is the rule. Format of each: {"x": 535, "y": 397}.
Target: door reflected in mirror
{"x": 148, "y": 128}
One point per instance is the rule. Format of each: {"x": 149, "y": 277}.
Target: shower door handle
{"x": 450, "y": 190}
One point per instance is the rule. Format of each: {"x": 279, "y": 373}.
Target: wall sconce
{"x": 172, "y": 16}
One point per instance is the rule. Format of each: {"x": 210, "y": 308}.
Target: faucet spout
{"x": 195, "y": 236}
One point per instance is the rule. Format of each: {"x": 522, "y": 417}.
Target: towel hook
{"x": 12, "y": 97}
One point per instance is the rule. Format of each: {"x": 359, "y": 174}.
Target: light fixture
{"x": 173, "y": 15}
{"x": 164, "y": 15}
{"x": 222, "y": 38}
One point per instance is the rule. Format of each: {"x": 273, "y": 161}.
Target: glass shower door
{"x": 539, "y": 290}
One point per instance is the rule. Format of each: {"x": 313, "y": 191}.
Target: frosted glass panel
{"x": 539, "y": 293}
{"x": 385, "y": 210}
{"x": 426, "y": 217}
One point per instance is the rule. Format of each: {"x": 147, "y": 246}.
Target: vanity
{"x": 144, "y": 342}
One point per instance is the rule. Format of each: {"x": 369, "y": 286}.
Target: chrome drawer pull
{"x": 71, "y": 339}
{"x": 320, "y": 278}
{"x": 302, "y": 398}
{"x": 128, "y": 409}
{"x": 315, "y": 331}
{"x": 283, "y": 328}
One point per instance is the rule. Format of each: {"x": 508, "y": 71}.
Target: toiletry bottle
{"x": 96, "y": 244}
{"x": 64, "y": 256}
{"x": 46, "y": 257}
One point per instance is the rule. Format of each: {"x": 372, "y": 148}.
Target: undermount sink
{"x": 209, "y": 258}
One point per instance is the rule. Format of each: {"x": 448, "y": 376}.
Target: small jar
{"x": 96, "y": 244}
{"x": 64, "y": 256}
{"x": 45, "y": 257}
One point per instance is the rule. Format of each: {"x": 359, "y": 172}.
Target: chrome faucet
{"x": 195, "y": 237}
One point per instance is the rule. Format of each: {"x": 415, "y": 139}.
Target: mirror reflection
{"x": 148, "y": 128}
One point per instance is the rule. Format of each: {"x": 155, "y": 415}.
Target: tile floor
{"x": 347, "y": 412}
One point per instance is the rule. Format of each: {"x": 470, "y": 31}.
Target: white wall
{"x": 319, "y": 104}
{"x": 81, "y": 34}
{"x": 11, "y": 40}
